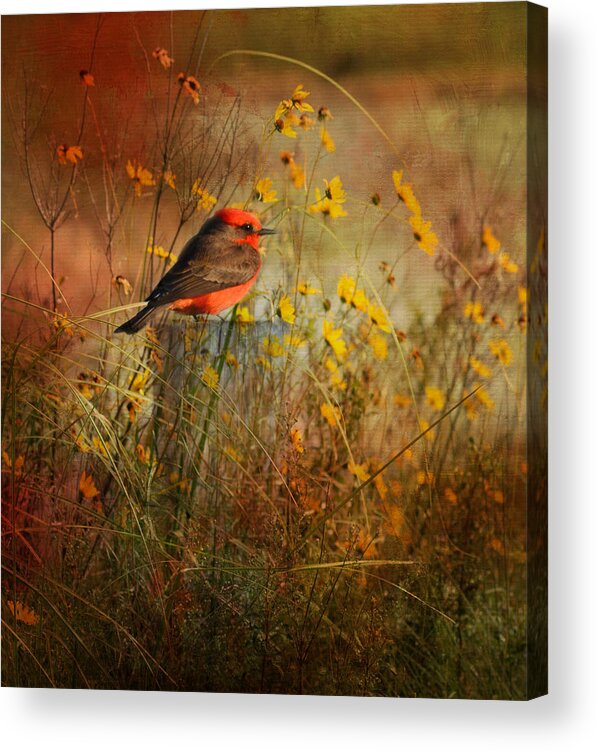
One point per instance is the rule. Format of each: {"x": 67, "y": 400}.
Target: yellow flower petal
{"x": 333, "y": 338}
{"x": 435, "y": 397}
{"x": 330, "y": 413}
{"x": 86, "y": 486}
{"x": 210, "y": 377}
{"x": 501, "y": 351}
{"x": 359, "y": 471}
{"x": 286, "y": 310}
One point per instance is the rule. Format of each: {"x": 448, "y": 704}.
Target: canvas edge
{"x": 536, "y": 260}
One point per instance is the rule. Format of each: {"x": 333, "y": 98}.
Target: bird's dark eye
{"x": 248, "y": 227}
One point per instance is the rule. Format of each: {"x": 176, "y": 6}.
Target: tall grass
{"x": 305, "y": 496}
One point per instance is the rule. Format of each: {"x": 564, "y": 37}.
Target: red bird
{"x": 215, "y": 270}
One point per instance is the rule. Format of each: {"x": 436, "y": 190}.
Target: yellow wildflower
{"x": 210, "y": 377}
{"x": 331, "y": 414}
{"x": 489, "y": 240}
{"x": 120, "y": 282}
{"x": 86, "y": 486}
{"x": 330, "y": 203}
{"x": 18, "y": 464}
{"x": 378, "y": 317}
{"x": 190, "y": 86}
{"x": 72, "y": 154}
{"x": 286, "y": 310}
{"x": 327, "y": 141}
{"x": 450, "y": 496}
{"x": 272, "y": 347}
{"x": 62, "y": 324}
{"x": 507, "y": 263}
{"x": 405, "y": 193}
{"x": 140, "y": 176}
{"x": 379, "y": 481}
{"x": 233, "y": 453}
{"x": 333, "y": 338}
{"x": 175, "y": 480}
{"x": 470, "y": 408}
{"x": 264, "y": 192}
{"x": 474, "y": 311}
{"x": 143, "y": 453}
{"x": 366, "y": 547}
{"x": 379, "y": 345}
{"x": 501, "y": 351}
{"x": 359, "y": 471}
{"x": 394, "y": 522}
{"x": 306, "y": 122}
{"x": 523, "y": 296}
{"x": 416, "y": 355}
{"x": 205, "y": 201}
{"x": 346, "y": 288}
{"x": 161, "y": 252}
{"x": 484, "y": 398}
{"x": 296, "y": 101}
{"x": 133, "y": 407}
{"x": 243, "y": 315}
{"x": 429, "y": 434}
{"x": 162, "y": 56}
{"x": 424, "y": 477}
{"x": 425, "y": 237}
{"x": 435, "y": 397}
{"x": 282, "y": 109}
{"x": 336, "y": 378}
{"x": 103, "y": 447}
{"x": 480, "y": 367}
{"x": 263, "y": 362}
{"x": 294, "y": 340}
{"x": 348, "y": 293}
{"x": 283, "y": 126}
{"x": 140, "y": 381}
{"x": 88, "y": 384}
{"x": 22, "y": 612}
{"x": 170, "y": 179}
{"x": 297, "y": 440}
{"x": 231, "y": 360}
{"x": 305, "y": 289}
{"x": 297, "y": 174}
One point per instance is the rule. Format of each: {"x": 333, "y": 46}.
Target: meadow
{"x": 323, "y": 490}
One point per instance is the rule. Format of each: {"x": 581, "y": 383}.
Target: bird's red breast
{"x": 214, "y": 302}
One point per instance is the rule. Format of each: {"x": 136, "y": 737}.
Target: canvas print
{"x": 274, "y": 351}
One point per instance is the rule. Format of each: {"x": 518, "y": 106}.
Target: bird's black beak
{"x": 264, "y": 230}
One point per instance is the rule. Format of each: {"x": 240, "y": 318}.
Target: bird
{"x": 214, "y": 271}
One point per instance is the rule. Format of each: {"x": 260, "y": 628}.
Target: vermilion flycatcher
{"x": 215, "y": 270}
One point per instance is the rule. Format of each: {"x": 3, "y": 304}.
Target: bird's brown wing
{"x": 206, "y": 265}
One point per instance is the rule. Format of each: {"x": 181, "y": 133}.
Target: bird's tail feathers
{"x": 137, "y": 321}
